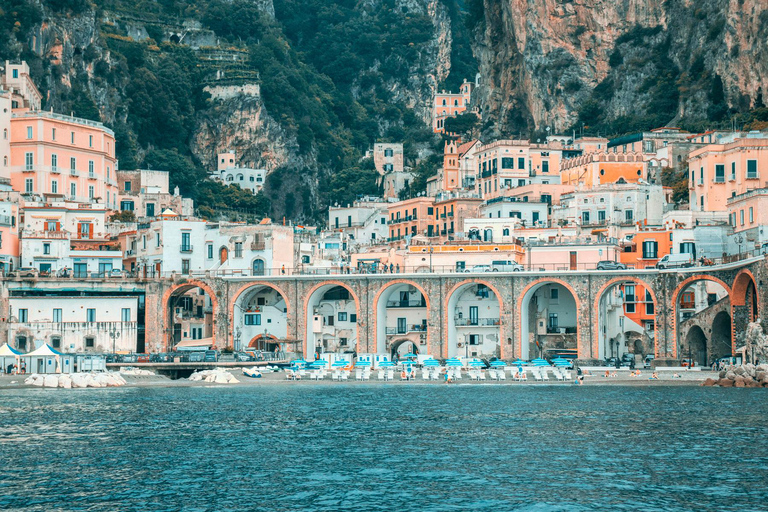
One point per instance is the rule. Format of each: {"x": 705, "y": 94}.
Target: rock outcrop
{"x": 744, "y": 376}
{"x": 217, "y": 376}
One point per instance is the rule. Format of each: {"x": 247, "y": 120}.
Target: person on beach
{"x": 607, "y": 373}
{"x": 579, "y": 380}
{"x": 655, "y": 376}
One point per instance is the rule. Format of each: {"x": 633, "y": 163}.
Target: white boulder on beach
{"x": 216, "y": 376}
{"x": 76, "y": 380}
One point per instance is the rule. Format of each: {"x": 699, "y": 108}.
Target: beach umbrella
{"x": 560, "y": 362}
{"x": 341, "y": 363}
{"x": 477, "y": 364}
{"x": 386, "y": 364}
{"x": 410, "y": 355}
{"x": 519, "y": 362}
{"x": 453, "y": 362}
{"x": 540, "y": 362}
{"x": 298, "y": 362}
{"x": 363, "y": 364}
{"x": 408, "y": 362}
{"x": 320, "y": 363}
{"x": 498, "y": 364}
{"x": 431, "y": 362}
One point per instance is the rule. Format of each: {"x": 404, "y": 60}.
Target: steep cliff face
{"x": 541, "y": 61}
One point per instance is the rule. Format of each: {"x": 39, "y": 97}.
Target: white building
{"x": 529, "y": 213}
{"x": 362, "y": 223}
{"x": 74, "y": 324}
{"x": 625, "y": 204}
{"x": 230, "y": 173}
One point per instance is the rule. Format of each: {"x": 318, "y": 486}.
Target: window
{"x": 73, "y": 189}
{"x": 349, "y": 219}
{"x": 127, "y": 186}
{"x": 253, "y": 319}
{"x": 553, "y": 324}
{"x": 46, "y": 248}
{"x": 210, "y": 251}
{"x": 158, "y": 242}
{"x": 90, "y": 168}
{"x": 28, "y": 185}
{"x": 238, "y": 249}
{"x": 342, "y": 316}
{"x": 126, "y": 314}
{"x": 733, "y": 170}
{"x": 600, "y": 215}
{"x": 629, "y": 297}
{"x": 649, "y": 309}
{"x": 751, "y": 215}
{"x": 545, "y": 166}
{"x": 54, "y": 187}
{"x": 126, "y": 206}
{"x": 72, "y": 137}
{"x": 89, "y": 342}
{"x": 23, "y": 316}
{"x": 90, "y": 315}
{"x": 186, "y": 246}
{"x": 29, "y": 161}
{"x": 15, "y": 73}
{"x": 53, "y": 133}
{"x": 353, "y": 317}
{"x": 150, "y": 208}
{"x": 554, "y": 294}
{"x": 507, "y": 163}
{"x": 90, "y": 191}
{"x": 719, "y": 173}
{"x": 585, "y": 217}
{"x": 90, "y": 141}
{"x": 73, "y": 163}
{"x": 56, "y": 341}
{"x": 185, "y": 267}
{"x": 751, "y": 169}
{"x": 54, "y": 162}
{"x": 741, "y": 216}
{"x": 629, "y": 215}
{"x": 650, "y": 249}
{"x": 521, "y": 163}
{"x": 29, "y": 132}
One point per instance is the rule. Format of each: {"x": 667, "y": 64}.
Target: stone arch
{"x": 447, "y": 315}
{"x": 376, "y": 307}
{"x": 740, "y": 287}
{"x": 306, "y": 312}
{"x": 605, "y": 288}
{"x": 720, "y": 337}
{"x": 676, "y": 301}
{"x": 245, "y": 288}
{"x": 696, "y": 343}
{"x": 181, "y": 289}
{"x": 524, "y": 297}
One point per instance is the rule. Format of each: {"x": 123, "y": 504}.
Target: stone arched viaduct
{"x": 744, "y": 280}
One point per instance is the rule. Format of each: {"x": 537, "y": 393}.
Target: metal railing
{"x": 406, "y": 304}
{"x": 185, "y": 248}
{"x": 479, "y": 322}
{"x": 408, "y": 329}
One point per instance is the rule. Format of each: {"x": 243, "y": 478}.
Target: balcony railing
{"x": 73, "y": 326}
{"x": 91, "y": 175}
{"x": 185, "y": 248}
{"x": 408, "y": 329}
{"x": 74, "y": 172}
{"x": 406, "y": 304}
{"x": 258, "y": 246}
{"x": 481, "y": 322}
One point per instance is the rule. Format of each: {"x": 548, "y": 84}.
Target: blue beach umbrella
{"x": 560, "y": 362}
{"x": 298, "y": 362}
{"x": 320, "y": 363}
{"x": 408, "y": 362}
{"x": 540, "y": 362}
{"x": 363, "y": 364}
{"x": 453, "y": 362}
{"x": 431, "y": 362}
{"x": 386, "y": 364}
{"x": 498, "y": 364}
{"x": 519, "y": 362}
{"x": 477, "y": 364}
{"x": 410, "y": 354}
{"x": 341, "y": 363}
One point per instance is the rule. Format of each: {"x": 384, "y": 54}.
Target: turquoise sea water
{"x": 378, "y": 447}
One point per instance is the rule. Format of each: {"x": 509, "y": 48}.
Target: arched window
{"x": 239, "y": 177}
{"x": 252, "y": 179}
{"x": 444, "y": 103}
{"x": 230, "y": 178}
{"x": 455, "y": 103}
{"x": 505, "y": 232}
{"x": 488, "y": 235}
{"x": 258, "y": 267}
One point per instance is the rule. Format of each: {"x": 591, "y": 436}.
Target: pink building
{"x": 449, "y": 104}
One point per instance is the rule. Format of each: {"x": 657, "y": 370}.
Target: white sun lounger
{"x": 502, "y": 375}
{"x": 536, "y": 374}
{"x": 367, "y": 374}
{"x": 425, "y": 374}
{"x": 381, "y": 374}
{"x": 390, "y": 374}
{"x": 544, "y": 375}
{"x": 359, "y": 374}
{"x": 481, "y": 375}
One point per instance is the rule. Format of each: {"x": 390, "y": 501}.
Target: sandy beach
{"x": 687, "y": 378}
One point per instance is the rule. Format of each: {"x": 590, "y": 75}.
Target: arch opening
{"x": 696, "y": 346}
{"x": 626, "y": 321}
{"x": 720, "y": 345}
{"x": 473, "y": 322}
{"x": 331, "y": 321}
{"x": 401, "y": 316}
{"x": 190, "y": 311}
{"x": 549, "y": 322}
{"x": 696, "y": 306}
{"x": 261, "y": 316}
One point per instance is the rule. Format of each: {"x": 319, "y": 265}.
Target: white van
{"x": 506, "y": 266}
{"x": 676, "y": 261}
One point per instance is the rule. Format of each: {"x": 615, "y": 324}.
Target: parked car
{"x": 142, "y": 358}
{"x": 506, "y": 266}
{"x": 479, "y": 268}
{"x": 116, "y": 272}
{"x": 196, "y": 357}
{"x": 64, "y": 272}
{"x": 24, "y": 272}
{"x": 648, "y": 361}
{"x": 610, "y": 265}
{"x": 128, "y": 358}
{"x": 628, "y": 361}
{"x": 161, "y": 358}
{"x": 211, "y": 356}
{"x": 111, "y": 358}
{"x": 612, "y": 361}
{"x": 243, "y": 357}
{"x": 688, "y": 363}
{"x": 675, "y": 261}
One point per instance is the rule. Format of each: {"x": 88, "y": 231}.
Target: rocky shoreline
{"x": 744, "y": 376}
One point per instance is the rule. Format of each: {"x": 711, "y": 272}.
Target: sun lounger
{"x": 544, "y": 375}
{"x": 344, "y": 375}
{"x": 501, "y": 375}
{"x": 367, "y": 374}
{"x": 358, "y": 374}
{"x": 523, "y": 375}
{"x": 567, "y": 374}
{"x": 425, "y": 374}
{"x": 536, "y": 374}
{"x": 481, "y": 375}
{"x": 390, "y": 374}
{"x": 492, "y": 373}
{"x": 457, "y": 374}
{"x": 288, "y": 374}
{"x": 381, "y": 374}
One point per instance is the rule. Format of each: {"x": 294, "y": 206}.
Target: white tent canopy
{"x": 6, "y": 350}
{"x": 44, "y": 351}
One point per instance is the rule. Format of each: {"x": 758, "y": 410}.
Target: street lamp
{"x": 238, "y": 333}
{"x": 114, "y": 334}
{"x": 739, "y": 240}
{"x": 430, "y": 260}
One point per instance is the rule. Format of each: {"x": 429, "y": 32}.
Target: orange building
{"x": 646, "y": 248}
{"x": 448, "y": 104}
{"x": 450, "y": 212}
{"x": 411, "y": 217}
{"x": 505, "y": 164}
{"x": 593, "y": 169}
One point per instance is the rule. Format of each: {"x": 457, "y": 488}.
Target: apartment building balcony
{"x": 74, "y": 172}
{"x": 185, "y": 248}
{"x": 476, "y": 322}
{"x": 130, "y": 252}
{"x": 406, "y": 304}
{"x": 53, "y": 235}
{"x": 71, "y": 326}
{"x": 407, "y": 330}
{"x": 258, "y": 246}
{"x": 5, "y": 220}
